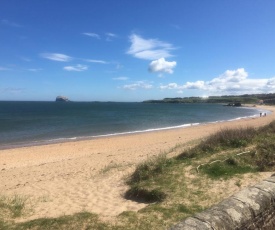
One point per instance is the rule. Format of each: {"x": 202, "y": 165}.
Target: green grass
{"x": 158, "y": 174}
{"x": 225, "y": 170}
{"x": 12, "y": 207}
{"x": 222, "y": 140}
{"x": 150, "y": 169}
{"x": 173, "y": 188}
{"x": 82, "y": 220}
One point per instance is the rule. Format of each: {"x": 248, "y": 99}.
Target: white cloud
{"x": 270, "y": 84}
{"x": 120, "y": 78}
{"x": 231, "y": 76}
{"x": 56, "y": 57}
{"x": 162, "y": 66}
{"x": 233, "y": 82}
{"x": 230, "y": 82}
{"x": 170, "y": 86}
{"x": 194, "y": 85}
{"x": 152, "y": 54}
{"x": 138, "y": 85}
{"x": 97, "y": 61}
{"x": 149, "y": 49}
{"x": 77, "y": 68}
{"x": 93, "y": 35}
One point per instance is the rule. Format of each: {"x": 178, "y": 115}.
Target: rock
{"x": 251, "y": 208}
{"x": 61, "y": 99}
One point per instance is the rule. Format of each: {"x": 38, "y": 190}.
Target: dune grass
{"x": 177, "y": 187}
{"x": 83, "y": 220}
{"x": 12, "y": 207}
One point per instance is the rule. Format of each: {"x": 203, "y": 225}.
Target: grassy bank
{"x": 173, "y": 187}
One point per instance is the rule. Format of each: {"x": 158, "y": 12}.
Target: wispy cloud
{"x": 3, "y": 68}
{"x": 138, "y": 85}
{"x": 11, "y": 90}
{"x": 10, "y": 23}
{"x": 120, "y": 78}
{"x": 25, "y": 59}
{"x": 34, "y": 69}
{"x": 230, "y": 82}
{"x": 177, "y": 27}
{"x": 119, "y": 66}
{"x": 110, "y": 36}
{"x": 149, "y": 49}
{"x": 162, "y": 66}
{"x": 93, "y": 35}
{"x": 56, "y": 57}
{"x": 96, "y": 61}
{"x": 77, "y": 68}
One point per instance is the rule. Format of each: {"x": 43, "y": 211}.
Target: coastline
{"x": 69, "y": 176}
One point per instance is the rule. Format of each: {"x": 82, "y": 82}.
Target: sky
{"x": 123, "y": 50}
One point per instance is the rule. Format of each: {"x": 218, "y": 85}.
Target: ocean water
{"x": 32, "y": 123}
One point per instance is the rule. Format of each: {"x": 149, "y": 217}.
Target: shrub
{"x": 13, "y": 206}
{"x": 149, "y": 169}
{"x": 233, "y": 138}
{"x": 145, "y": 195}
{"x": 265, "y": 155}
{"x": 227, "y": 138}
{"x": 270, "y": 128}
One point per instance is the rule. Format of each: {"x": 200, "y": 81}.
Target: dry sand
{"x": 71, "y": 177}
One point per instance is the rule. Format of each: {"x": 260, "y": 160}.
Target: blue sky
{"x": 105, "y": 50}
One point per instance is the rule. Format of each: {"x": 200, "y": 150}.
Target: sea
{"x": 36, "y": 123}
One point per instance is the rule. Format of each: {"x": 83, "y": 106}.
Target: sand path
{"x": 71, "y": 177}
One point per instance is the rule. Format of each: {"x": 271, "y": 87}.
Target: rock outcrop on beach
{"x": 61, "y": 99}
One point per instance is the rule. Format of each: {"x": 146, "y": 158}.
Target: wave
{"x": 65, "y": 139}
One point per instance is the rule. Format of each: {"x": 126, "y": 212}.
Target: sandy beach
{"x": 71, "y": 177}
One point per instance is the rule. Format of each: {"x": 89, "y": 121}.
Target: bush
{"x": 233, "y": 138}
{"x": 268, "y": 129}
{"x": 265, "y": 155}
{"x": 227, "y": 138}
{"x": 149, "y": 169}
{"x": 13, "y": 206}
{"x": 145, "y": 195}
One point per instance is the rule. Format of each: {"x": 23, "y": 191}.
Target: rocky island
{"x": 61, "y": 99}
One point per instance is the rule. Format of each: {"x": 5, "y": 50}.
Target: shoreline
{"x": 66, "y": 178}
{"x": 184, "y": 134}
{"x": 150, "y": 130}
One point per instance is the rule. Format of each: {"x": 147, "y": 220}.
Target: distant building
{"x": 261, "y": 102}
{"x": 237, "y": 103}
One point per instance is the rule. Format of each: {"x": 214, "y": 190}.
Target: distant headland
{"x": 229, "y": 100}
{"x": 61, "y": 99}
